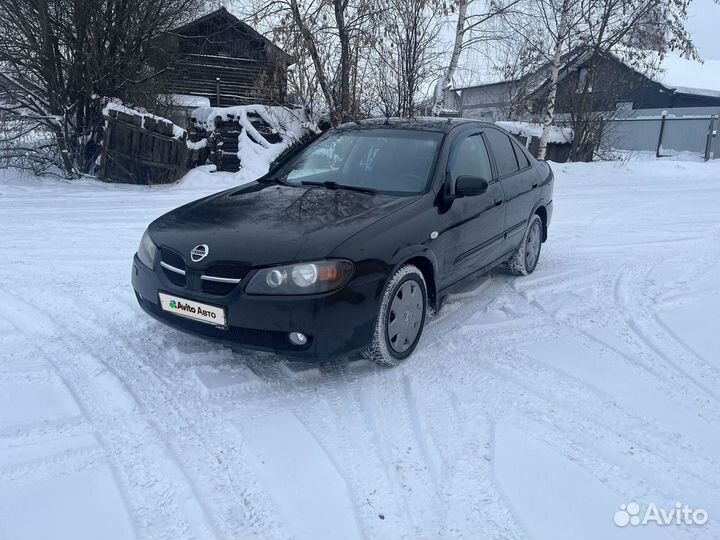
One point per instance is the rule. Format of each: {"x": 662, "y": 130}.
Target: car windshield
{"x": 393, "y": 161}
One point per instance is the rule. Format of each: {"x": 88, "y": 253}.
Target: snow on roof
{"x": 558, "y": 135}
{"x": 689, "y": 76}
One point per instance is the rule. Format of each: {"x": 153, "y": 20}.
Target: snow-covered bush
{"x": 265, "y": 132}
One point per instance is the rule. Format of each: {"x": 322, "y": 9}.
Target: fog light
{"x": 296, "y": 338}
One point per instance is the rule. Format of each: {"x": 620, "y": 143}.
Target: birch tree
{"x": 548, "y": 29}
{"x": 607, "y": 25}
{"x": 561, "y": 21}
{"x": 445, "y": 82}
{"x": 472, "y": 27}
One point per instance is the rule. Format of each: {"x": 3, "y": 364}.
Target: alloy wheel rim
{"x": 405, "y": 316}
{"x": 532, "y": 246}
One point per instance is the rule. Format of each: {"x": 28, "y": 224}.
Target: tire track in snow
{"x": 83, "y": 404}
{"x": 469, "y": 493}
{"x": 177, "y": 397}
{"x": 184, "y": 417}
{"x": 422, "y": 435}
{"x": 402, "y": 448}
{"x": 579, "y": 438}
{"x": 529, "y": 387}
{"x": 640, "y": 320}
{"x": 41, "y": 431}
{"x": 117, "y": 432}
{"x": 699, "y": 469}
{"x": 360, "y": 460}
{"x": 68, "y": 462}
{"x": 573, "y": 321}
{"x": 585, "y": 402}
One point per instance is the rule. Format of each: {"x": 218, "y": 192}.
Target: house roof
{"x": 688, "y": 76}
{"x": 225, "y": 17}
{"x": 674, "y": 72}
{"x": 539, "y": 75}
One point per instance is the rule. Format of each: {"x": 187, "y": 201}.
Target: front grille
{"x": 223, "y": 271}
{"x": 175, "y": 260}
{"x": 228, "y": 270}
{"x": 217, "y": 288}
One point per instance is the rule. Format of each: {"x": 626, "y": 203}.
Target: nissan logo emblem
{"x": 198, "y": 253}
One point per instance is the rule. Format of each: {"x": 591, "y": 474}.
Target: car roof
{"x": 421, "y": 123}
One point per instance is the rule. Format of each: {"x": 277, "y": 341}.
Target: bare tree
{"x": 548, "y": 30}
{"x": 335, "y": 35}
{"x": 564, "y": 31}
{"x": 608, "y": 24}
{"x": 471, "y": 29}
{"x": 407, "y": 55}
{"x": 60, "y": 58}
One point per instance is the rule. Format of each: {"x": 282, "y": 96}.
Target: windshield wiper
{"x": 330, "y": 184}
{"x": 272, "y": 180}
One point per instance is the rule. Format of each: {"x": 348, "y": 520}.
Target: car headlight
{"x": 301, "y": 278}
{"x": 147, "y": 251}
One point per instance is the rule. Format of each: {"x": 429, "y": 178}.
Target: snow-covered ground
{"x": 533, "y": 408}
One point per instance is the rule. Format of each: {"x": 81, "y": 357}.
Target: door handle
{"x": 498, "y": 202}
{"x": 535, "y": 185}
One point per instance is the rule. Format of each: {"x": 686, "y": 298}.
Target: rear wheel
{"x": 401, "y": 317}
{"x": 526, "y": 257}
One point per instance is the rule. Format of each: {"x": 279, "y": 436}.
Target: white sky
{"x": 704, "y": 26}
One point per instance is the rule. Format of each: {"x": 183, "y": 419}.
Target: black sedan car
{"x": 348, "y": 242}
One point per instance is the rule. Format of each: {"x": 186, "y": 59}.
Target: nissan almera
{"x": 348, "y": 243}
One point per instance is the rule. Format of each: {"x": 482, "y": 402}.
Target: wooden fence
{"x": 140, "y": 149}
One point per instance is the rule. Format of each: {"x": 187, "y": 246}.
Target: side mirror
{"x": 469, "y": 186}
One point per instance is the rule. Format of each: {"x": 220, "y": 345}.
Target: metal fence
{"x": 665, "y": 132}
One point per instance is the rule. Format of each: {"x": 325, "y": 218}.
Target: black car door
{"x": 519, "y": 181}
{"x": 476, "y": 234}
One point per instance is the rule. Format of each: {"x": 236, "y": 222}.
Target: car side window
{"x": 522, "y": 159}
{"x": 470, "y": 158}
{"x": 502, "y": 150}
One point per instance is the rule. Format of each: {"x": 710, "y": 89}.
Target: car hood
{"x": 263, "y": 224}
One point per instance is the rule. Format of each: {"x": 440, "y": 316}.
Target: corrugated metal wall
{"x": 685, "y": 130}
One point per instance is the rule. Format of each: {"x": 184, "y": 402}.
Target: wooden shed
{"x": 223, "y": 59}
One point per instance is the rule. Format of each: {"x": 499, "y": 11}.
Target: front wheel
{"x": 526, "y": 257}
{"x": 401, "y": 317}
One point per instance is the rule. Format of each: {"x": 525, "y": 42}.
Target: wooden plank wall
{"x": 241, "y": 80}
{"x": 135, "y": 154}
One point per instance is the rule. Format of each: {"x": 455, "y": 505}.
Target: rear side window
{"x": 470, "y": 158}
{"x": 502, "y": 151}
{"x": 522, "y": 159}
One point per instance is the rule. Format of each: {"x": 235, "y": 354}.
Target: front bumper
{"x": 337, "y": 323}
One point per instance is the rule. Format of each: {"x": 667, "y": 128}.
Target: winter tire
{"x": 401, "y": 317}
{"x": 525, "y": 259}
